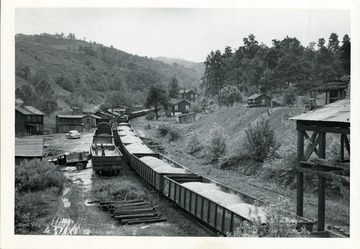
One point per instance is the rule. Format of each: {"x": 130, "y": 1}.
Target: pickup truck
{"x": 79, "y": 159}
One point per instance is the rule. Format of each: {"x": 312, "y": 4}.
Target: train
{"x": 218, "y": 207}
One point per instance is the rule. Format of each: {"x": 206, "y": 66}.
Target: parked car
{"x": 72, "y": 134}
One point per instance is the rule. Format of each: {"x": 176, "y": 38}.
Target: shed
{"x": 65, "y": 123}
{"x": 28, "y": 149}
{"x": 182, "y": 106}
{"x": 91, "y": 120}
{"x": 334, "y": 91}
{"x": 28, "y": 119}
{"x": 313, "y": 126}
{"x": 259, "y": 100}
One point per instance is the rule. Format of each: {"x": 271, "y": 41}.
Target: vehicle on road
{"x": 79, "y": 159}
{"x": 72, "y": 134}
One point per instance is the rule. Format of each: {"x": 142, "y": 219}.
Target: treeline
{"x": 254, "y": 67}
{"x": 89, "y": 73}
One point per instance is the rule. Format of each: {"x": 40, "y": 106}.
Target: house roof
{"x": 70, "y": 116}
{"x": 29, "y": 147}
{"x": 186, "y": 91}
{"x": 256, "y": 95}
{"x": 184, "y": 100}
{"x": 120, "y": 106}
{"x": 335, "y": 85}
{"x": 93, "y": 116}
{"x": 338, "y": 111}
{"x": 28, "y": 110}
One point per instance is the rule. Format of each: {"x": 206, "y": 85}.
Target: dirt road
{"x": 75, "y": 216}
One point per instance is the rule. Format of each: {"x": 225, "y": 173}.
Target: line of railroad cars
{"x": 214, "y": 204}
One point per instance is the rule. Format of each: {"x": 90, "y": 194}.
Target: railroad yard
{"x": 76, "y": 215}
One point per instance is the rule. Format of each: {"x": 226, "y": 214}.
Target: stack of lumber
{"x": 132, "y": 211}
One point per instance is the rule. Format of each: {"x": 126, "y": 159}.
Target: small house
{"x": 28, "y": 119}
{"x": 334, "y": 91}
{"x": 65, "y": 123}
{"x": 189, "y": 95}
{"x": 182, "y": 106}
{"x": 259, "y": 100}
{"x": 28, "y": 149}
{"x": 91, "y": 120}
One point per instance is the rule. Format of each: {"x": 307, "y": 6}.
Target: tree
{"x": 157, "y": 97}
{"x": 230, "y": 95}
{"x": 345, "y": 54}
{"x": 333, "y": 45}
{"x": 174, "y": 88}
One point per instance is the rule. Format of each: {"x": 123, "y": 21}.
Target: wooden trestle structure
{"x": 313, "y": 126}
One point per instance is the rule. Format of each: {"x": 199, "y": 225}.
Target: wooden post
{"x": 300, "y": 175}
{"x": 342, "y": 157}
{"x": 321, "y": 186}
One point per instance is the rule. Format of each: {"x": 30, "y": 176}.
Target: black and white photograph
{"x": 207, "y": 123}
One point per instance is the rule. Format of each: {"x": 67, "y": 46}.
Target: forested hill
{"x": 67, "y": 72}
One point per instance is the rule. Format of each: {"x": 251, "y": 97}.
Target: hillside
{"x": 88, "y": 72}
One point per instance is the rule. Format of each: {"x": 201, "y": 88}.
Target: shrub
{"x": 172, "y": 132}
{"x": 289, "y": 98}
{"x": 194, "y": 144}
{"x": 276, "y": 225}
{"x": 260, "y": 141}
{"x": 216, "y": 145}
{"x": 118, "y": 190}
{"x": 35, "y": 175}
{"x": 150, "y": 116}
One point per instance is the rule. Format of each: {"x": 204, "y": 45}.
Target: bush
{"x": 36, "y": 175}
{"x": 289, "y": 98}
{"x": 216, "y": 145}
{"x": 172, "y": 132}
{"x": 260, "y": 141}
{"x": 276, "y": 225}
{"x": 194, "y": 144}
{"x": 118, "y": 190}
{"x": 150, "y": 116}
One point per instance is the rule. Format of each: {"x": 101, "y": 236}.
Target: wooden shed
{"x": 259, "y": 100}
{"x": 313, "y": 126}
{"x": 334, "y": 91}
{"x": 91, "y": 120}
{"x": 182, "y": 106}
{"x": 28, "y": 119}
{"x": 65, "y": 123}
{"x": 28, "y": 149}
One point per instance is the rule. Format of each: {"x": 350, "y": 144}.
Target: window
{"x": 187, "y": 107}
{"x": 263, "y": 101}
{"x": 192, "y": 96}
{"x": 176, "y": 107}
{"x": 28, "y": 118}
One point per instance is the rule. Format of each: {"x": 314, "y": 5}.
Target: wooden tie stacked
{"x": 132, "y": 211}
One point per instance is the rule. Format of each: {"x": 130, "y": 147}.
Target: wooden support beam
{"x": 321, "y": 185}
{"x": 332, "y": 164}
{"x": 326, "y": 175}
{"x": 337, "y": 130}
{"x": 343, "y": 190}
{"x": 300, "y": 176}
{"x": 347, "y": 144}
{"x": 312, "y": 140}
{"x": 342, "y": 152}
{"x": 311, "y": 147}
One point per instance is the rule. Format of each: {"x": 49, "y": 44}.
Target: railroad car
{"x": 106, "y": 157}
{"x": 215, "y": 205}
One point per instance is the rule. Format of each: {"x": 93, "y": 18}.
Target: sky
{"x": 185, "y": 33}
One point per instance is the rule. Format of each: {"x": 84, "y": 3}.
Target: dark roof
{"x": 338, "y": 111}
{"x": 28, "y": 110}
{"x": 29, "y": 147}
{"x": 256, "y": 95}
{"x": 335, "y": 85}
{"x": 183, "y": 100}
{"x": 70, "y": 116}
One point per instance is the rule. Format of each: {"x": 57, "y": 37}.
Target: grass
{"x": 115, "y": 189}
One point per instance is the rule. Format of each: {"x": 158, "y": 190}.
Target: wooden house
{"x": 334, "y": 91}
{"x": 65, "y": 123}
{"x": 91, "y": 120}
{"x": 259, "y": 100}
{"x": 182, "y": 106}
{"x": 28, "y": 119}
{"x": 189, "y": 95}
{"x": 28, "y": 149}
